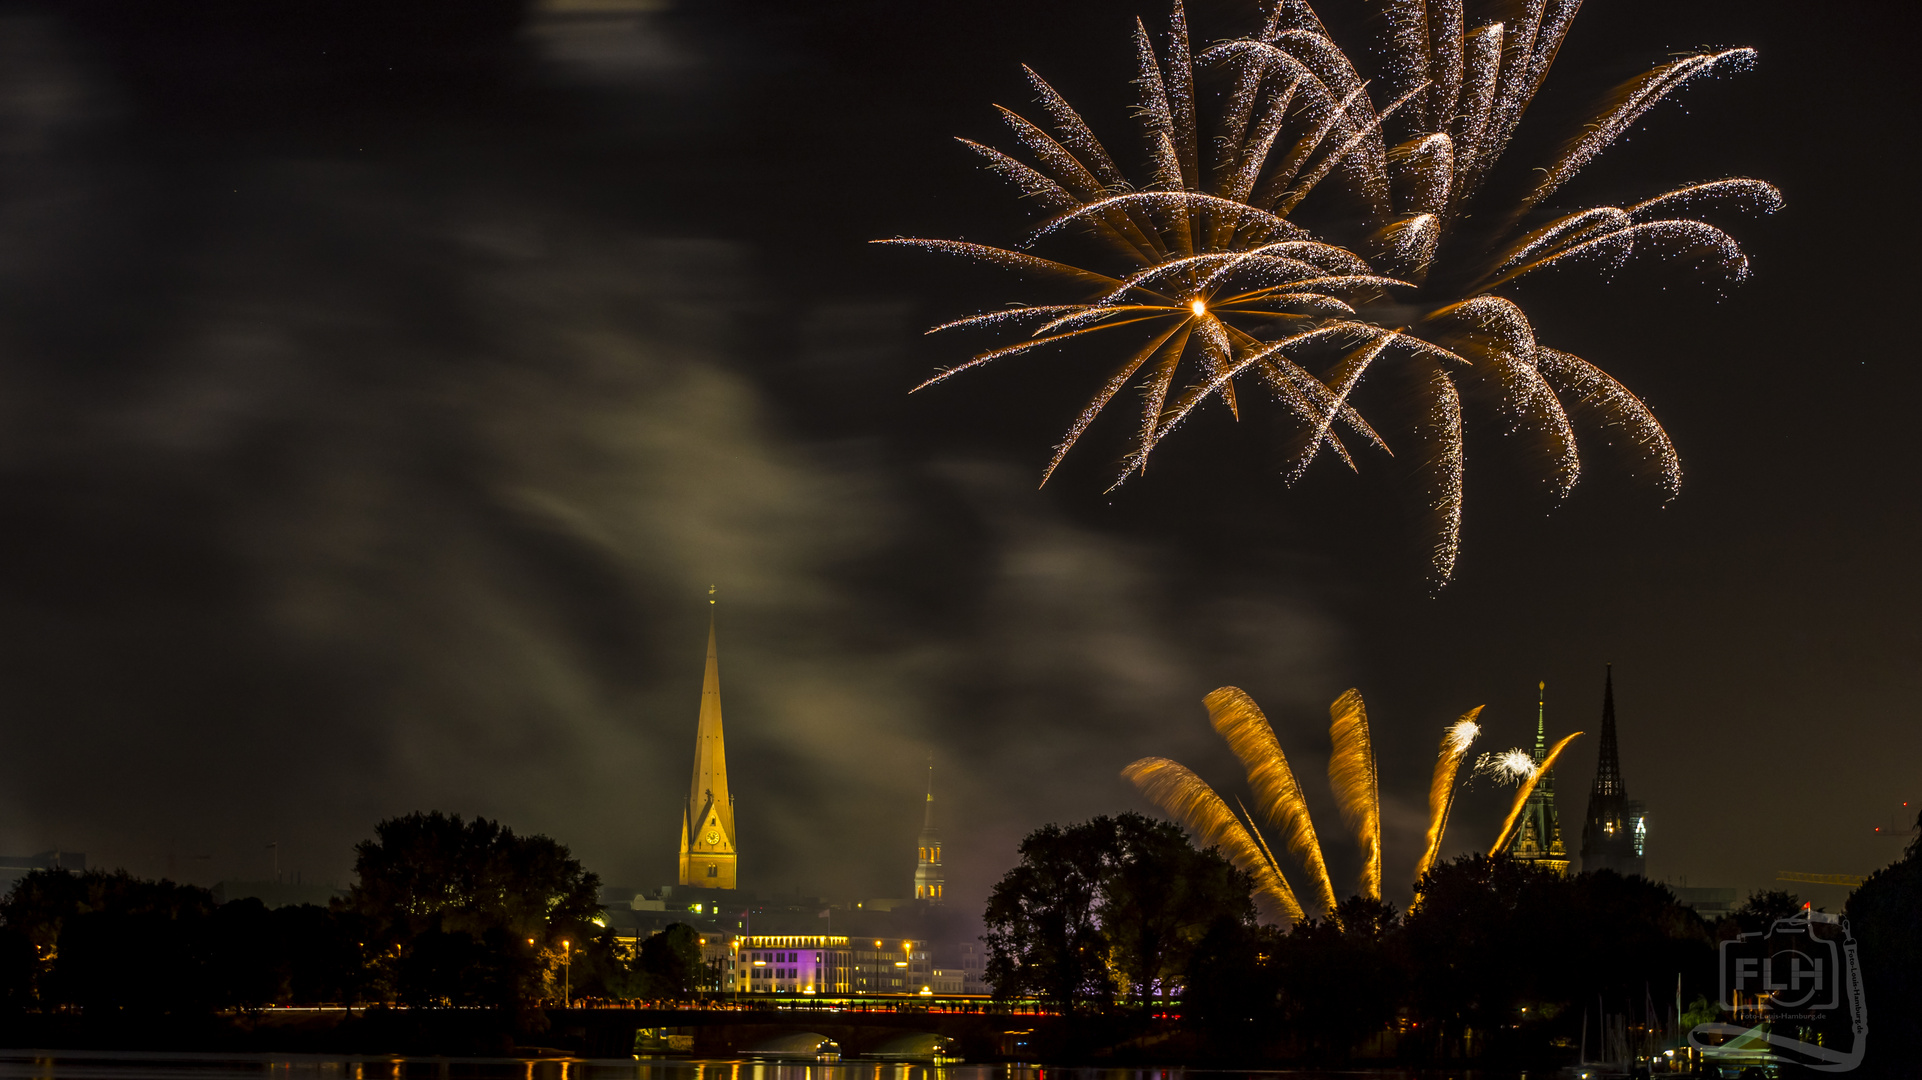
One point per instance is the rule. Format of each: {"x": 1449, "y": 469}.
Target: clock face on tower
{"x": 713, "y": 838}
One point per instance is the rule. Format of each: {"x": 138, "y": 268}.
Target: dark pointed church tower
{"x": 1612, "y": 836}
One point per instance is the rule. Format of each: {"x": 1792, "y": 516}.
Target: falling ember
{"x": 1227, "y": 212}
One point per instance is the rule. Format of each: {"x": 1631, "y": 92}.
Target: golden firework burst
{"x": 1215, "y": 273}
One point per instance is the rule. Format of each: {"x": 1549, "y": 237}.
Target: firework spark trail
{"x": 1104, "y": 395}
{"x": 1347, "y": 376}
{"x": 1481, "y": 71}
{"x": 1684, "y": 232}
{"x": 1351, "y": 772}
{"x": 1188, "y": 799}
{"x": 1077, "y": 137}
{"x": 1004, "y": 259}
{"x": 1167, "y": 420}
{"x": 1571, "y": 229}
{"x": 991, "y": 318}
{"x": 1203, "y": 236}
{"x": 1574, "y": 231}
{"x": 1254, "y": 831}
{"x": 1242, "y": 725}
{"x": 1457, "y": 738}
{"x": 1765, "y": 198}
{"x": 1365, "y": 143}
{"x": 1534, "y": 777}
{"x": 1496, "y": 333}
{"x": 1443, "y": 467}
{"x": 1609, "y": 403}
{"x": 1627, "y": 104}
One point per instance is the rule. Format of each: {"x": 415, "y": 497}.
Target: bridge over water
{"x": 981, "y": 1033}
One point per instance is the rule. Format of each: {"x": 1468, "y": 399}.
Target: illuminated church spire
{"x": 1540, "y": 841}
{"x": 707, "y": 823}
{"x": 927, "y": 870}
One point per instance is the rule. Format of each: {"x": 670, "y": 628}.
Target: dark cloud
{"x": 369, "y": 439}
{"x": 400, "y": 486}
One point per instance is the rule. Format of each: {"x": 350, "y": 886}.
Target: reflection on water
{"x": 95, "y": 1065}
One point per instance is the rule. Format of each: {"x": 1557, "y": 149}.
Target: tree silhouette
{"x": 462, "y": 911}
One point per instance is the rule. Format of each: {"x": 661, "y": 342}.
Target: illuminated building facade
{"x": 818, "y": 964}
{"x": 1616, "y": 833}
{"x": 1540, "y": 840}
{"x": 707, "y": 822}
{"x": 928, "y": 884}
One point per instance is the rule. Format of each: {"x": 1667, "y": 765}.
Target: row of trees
{"x": 1499, "y": 959}
{"x": 442, "y": 912}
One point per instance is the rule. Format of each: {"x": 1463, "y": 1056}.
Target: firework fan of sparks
{"x": 1213, "y": 283}
{"x": 1351, "y": 774}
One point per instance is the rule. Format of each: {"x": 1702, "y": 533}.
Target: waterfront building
{"x": 1540, "y": 840}
{"x": 928, "y": 883}
{"x": 708, "y": 851}
{"x": 832, "y": 965}
{"x": 974, "y": 968}
{"x": 950, "y": 981}
{"x": 1616, "y": 833}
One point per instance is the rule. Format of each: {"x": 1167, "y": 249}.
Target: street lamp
{"x": 567, "y": 975}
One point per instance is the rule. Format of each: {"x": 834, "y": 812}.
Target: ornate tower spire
{"x": 1541, "y": 722}
{"x": 1612, "y": 835}
{"x": 927, "y": 868}
{"x": 1608, "y": 769}
{"x": 707, "y": 824}
{"x": 1540, "y": 841}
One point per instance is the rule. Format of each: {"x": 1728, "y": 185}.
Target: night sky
{"x": 383, "y": 385}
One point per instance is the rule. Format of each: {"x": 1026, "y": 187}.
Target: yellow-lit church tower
{"x": 707, "y": 823}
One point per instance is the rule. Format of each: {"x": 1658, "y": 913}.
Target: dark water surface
{"x": 107, "y": 1065}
